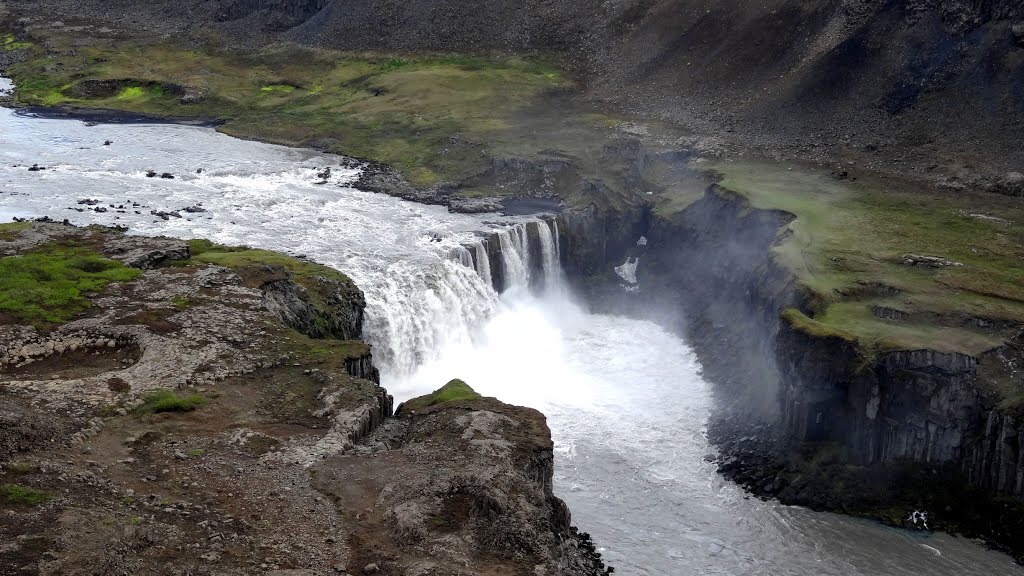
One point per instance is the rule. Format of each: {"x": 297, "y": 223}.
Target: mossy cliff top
{"x": 884, "y": 262}
{"x": 455, "y": 390}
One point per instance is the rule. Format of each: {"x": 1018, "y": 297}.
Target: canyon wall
{"x": 792, "y": 405}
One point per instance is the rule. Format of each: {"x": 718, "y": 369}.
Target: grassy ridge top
{"x": 411, "y": 112}
{"x": 452, "y": 391}
{"x": 847, "y": 247}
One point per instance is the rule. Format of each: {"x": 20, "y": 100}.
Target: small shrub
{"x": 17, "y": 494}
{"x": 195, "y": 453}
{"x": 167, "y": 401}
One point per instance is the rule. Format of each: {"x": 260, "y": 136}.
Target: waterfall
{"x": 483, "y": 263}
{"x": 462, "y": 255}
{"x": 558, "y": 247}
{"x": 514, "y": 259}
{"x": 628, "y": 270}
{"x": 523, "y": 247}
{"x": 414, "y": 311}
{"x": 550, "y": 257}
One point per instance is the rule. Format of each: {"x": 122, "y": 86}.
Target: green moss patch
{"x": 51, "y": 283}
{"x": 450, "y": 392}
{"x": 168, "y": 401}
{"x": 9, "y": 43}
{"x": 281, "y": 88}
{"x": 140, "y": 93}
{"x": 18, "y": 494}
{"x": 798, "y": 321}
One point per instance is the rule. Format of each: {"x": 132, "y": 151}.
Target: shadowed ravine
{"x": 624, "y": 399}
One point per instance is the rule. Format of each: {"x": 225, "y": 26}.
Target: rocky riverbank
{"x": 177, "y": 407}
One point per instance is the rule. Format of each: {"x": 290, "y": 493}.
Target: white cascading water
{"x": 624, "y": 398}
{"x": 483, "y": 263}
{"x": 515, "y": 261}
{"x": 550, "y": 256}
{"x": 410, "y": 317}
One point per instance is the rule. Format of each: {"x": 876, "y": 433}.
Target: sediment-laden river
{"x": 624, "y": 398}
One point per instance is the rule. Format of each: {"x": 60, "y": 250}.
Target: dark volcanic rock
{"x": 486, "y": 480}
{"x": 320, "y": 308}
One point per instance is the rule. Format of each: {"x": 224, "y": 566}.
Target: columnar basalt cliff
{"x": 798, "y": 410}
{"x": 917, "y": 405}
{"x": 190, "y": 396}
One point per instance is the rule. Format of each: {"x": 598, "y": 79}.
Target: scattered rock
{"x": 928, "y": 261}
{"x": 192, "y": 95}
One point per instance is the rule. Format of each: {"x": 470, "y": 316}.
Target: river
{"x": 624, "y": 398}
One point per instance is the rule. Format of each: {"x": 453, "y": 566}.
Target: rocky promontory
{"x": 172, "y": 407}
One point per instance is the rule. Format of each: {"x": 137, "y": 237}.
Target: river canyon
{"x": 625, "y": 398}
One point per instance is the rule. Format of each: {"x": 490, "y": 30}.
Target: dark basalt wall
{"x": 784, "y": 395}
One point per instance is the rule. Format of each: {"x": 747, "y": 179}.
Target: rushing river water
{"x": 624, "y": 398}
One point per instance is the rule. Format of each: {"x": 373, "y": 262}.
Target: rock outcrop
{"x": 191, "y": 419}
{"x": 461, "y": 487}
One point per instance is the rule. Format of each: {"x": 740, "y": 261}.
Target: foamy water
{"x": 624, "y": 399}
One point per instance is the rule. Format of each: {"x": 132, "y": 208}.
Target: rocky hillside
{"x": 930, "y": 86}
{"x": 182, "y": 408}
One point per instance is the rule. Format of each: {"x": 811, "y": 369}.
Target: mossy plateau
{"x": 49, "y": 285}
{"x": 847, "y": 244}
{"x": 452, "y": 391}
{"x": 302, "y": 271}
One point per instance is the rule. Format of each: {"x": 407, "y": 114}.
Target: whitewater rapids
{"x": 624, "y": 398}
